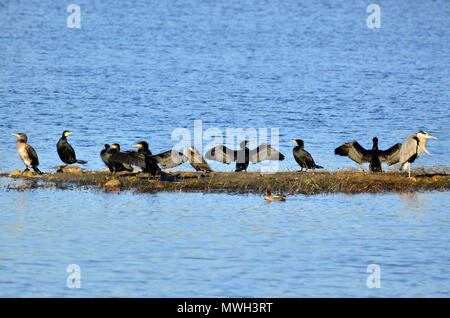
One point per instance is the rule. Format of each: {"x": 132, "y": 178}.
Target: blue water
{"x": 137, "y": 71}
{"x": 188, "y": 245}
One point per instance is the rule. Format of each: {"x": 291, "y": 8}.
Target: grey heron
{"x": 374, "y": 156}
{"x": 412, "y": 148}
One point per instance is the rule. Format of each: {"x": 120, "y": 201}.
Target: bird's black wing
{"x": 66, "y": 153}
{"x": 354, "y": 151}
{"x": 264, "y": 152}
{"x": 196, "y": 160}
{"x": 170, "y": 159}
{"x": 222, "y": 154}
{"x": 392, "y": 155}
{"x": 32, "y": 155}
{"x": 129, "y": 157}
{"x": 307, "y": 158}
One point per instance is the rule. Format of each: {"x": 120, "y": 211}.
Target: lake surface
{"x": 313, "y": 70}
{"x": 216, "y": 245}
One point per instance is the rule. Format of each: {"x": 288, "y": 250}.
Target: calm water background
{"x": 139, "y": 70}
{"x": 214, "y": 245}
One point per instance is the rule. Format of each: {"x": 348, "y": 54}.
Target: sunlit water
{"x": 137, "y": 71}
{"x": 216, "y": 245}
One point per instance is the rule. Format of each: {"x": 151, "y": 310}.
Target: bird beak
{"x": 137, "y": 145}
{"x": 429, "y": 136}
{"x": 113, "y": 146}
{"x": 17, "y": 135}
{"x": 293, "y": 140}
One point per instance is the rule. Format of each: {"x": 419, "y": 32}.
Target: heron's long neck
{"x": 422, "y": 145}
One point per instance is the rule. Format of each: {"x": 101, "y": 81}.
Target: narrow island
{"x": 291, "y": 182}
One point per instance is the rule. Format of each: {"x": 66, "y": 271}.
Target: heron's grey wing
{"x": 32, "y": 155}
{"x": 392, "y": 155}
{"x": 170, "y": 159}
{"x": 408, "y": 148}
{"x": 354, "y": 151}
{"x": 129, "y": 157}
{"x": 264, "y": 152}
{"x": 222, "y": 154}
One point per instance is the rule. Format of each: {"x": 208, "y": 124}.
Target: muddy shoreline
{"x": 242, "y": 182}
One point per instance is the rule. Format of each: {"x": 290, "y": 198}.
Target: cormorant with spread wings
{"x": 148, "y": 162}
{"x": 244, "y": 155}
{"x": 196, "y": 160}
{"x": 374, "y": 156}
{"x": 114, "y": 167}
{"x": 142, "y": 158}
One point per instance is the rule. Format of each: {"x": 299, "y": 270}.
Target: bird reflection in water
{"x": 413, "y": 201}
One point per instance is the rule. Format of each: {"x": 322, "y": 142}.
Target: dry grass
{"x": 254, "y": 182}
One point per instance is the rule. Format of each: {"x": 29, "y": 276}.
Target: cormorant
{"x": 114, "y": 167}
{"x": 244, "y": 155}
{"x": 196, "y": 160}
{"x": 27, "y": 153}
{"x": 303, "y": 158}
{"x": 412, "y": 148}
{"x": 126, "y": 166}
{"x": 65, "y": 150}
{"x": 374, "y": 156}
{"x": 142, "y": 158}
{"x": 167, "y": 159}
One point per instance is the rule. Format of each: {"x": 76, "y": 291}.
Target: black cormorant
{"x": 303, "y": 158}
{"x": 167, "y": 159}
{"x": 65, "y": 150}
{"x": 374, "y": 156}
{"x": 126, "y": 166}
{"x": 196, "y": 160}
{"x": 244, "y": 155}
{"x": 142, "y": 158}
{"x": 114, "y": 167}
{"x": 27, "y": 153}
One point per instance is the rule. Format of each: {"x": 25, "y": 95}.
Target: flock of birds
{"x": 143, "y": 158}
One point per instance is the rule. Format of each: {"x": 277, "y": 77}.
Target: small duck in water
{"x": 271, "y": 197}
